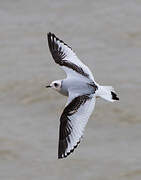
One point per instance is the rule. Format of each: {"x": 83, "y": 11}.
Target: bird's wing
{"x": 66, "y": 58}
{"x": 73, "y": 121}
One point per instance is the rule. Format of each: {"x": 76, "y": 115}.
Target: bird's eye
{"x": 55, "y": 84}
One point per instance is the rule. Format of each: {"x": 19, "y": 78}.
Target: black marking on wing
{"x": 114, "y": 96}
{"x": 65, "y": 125}
{"x": 59, "y": 55}
{"x": 94, "y": 86}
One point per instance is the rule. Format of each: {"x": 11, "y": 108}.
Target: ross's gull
{"x": 81, "y": 89}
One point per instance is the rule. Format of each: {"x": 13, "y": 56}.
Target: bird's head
{"x": 55, "y": 85}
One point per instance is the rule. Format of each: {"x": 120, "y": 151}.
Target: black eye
{"x": 55, "y": 84}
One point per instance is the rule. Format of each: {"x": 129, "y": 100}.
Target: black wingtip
{"x": 50, "y": 44}
{"x": 62, "y": 155}
{"x": 49, "y": 34}
{"x": 114, "y": 96}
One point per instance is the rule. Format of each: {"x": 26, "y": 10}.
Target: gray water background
{"x": 106, "y": 34}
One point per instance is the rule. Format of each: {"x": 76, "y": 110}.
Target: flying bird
{"x": 82, "y": 91}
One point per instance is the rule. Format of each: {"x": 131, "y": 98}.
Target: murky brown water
{"x": 107, "y": 37}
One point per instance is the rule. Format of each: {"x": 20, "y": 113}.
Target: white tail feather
{"x": 107, "y": 93}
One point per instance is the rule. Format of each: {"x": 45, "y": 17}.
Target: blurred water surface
{"x": 107, "y": 37}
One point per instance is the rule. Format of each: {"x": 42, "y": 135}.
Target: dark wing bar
{"x": 60, "y": 56}
{"x": 65, "y": 125}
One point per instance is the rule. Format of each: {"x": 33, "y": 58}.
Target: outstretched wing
{"x": 72, "y": 123}
{"x": 66, "y": 58}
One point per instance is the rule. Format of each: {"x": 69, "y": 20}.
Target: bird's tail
{"x": 107, "y": 93}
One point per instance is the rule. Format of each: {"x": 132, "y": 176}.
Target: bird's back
{"x": 78, "y": 86}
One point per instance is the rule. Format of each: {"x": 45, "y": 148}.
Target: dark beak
{"x": 48, "y": 86}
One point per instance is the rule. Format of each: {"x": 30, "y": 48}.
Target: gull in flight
{"x": 82, "y": 91}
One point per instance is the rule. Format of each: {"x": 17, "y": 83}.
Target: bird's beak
{"x": 48, "y": 86}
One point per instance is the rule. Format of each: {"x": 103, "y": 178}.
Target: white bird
{"x": 81, "y": 89}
